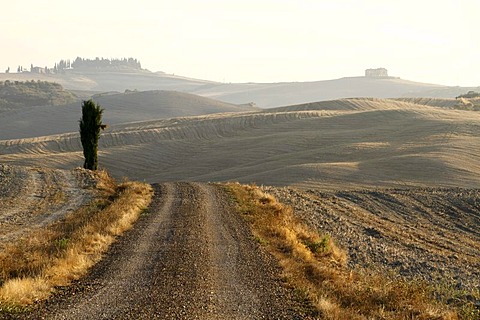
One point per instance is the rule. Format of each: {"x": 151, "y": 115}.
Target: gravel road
{"x": 189, "y": 257}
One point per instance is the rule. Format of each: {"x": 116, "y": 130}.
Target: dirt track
{"x": 190, "y": 257}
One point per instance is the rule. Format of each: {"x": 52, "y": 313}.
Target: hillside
{"x": 283, "y": 94}
{"x": 342, "y": 144}
{"x": 112, "y": 80}
{"x": 393, "y": 182}
{"x": 119, "y": 108}
{"x": 265, "y": 95}
{"x": 472, "y": 104}
{"x": 16, "y": 95}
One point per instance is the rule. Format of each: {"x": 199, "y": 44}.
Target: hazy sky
{"x": 435, "y": 41}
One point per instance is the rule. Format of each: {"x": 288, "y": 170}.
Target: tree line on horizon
{"x": 99, "y": 63}
{"x": 469, "y": 94}
{"x": 82, "y": 63}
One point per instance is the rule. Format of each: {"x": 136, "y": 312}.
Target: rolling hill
{"x": 270, "y": 95}
{"x": 16, "y": 95}
{"x": 265, "y": 95}
{"x": 119, "y": 108}
{"x": 112, "y": 80}
{"x": 340, "y": 144}
{"x": 397, "y": 175}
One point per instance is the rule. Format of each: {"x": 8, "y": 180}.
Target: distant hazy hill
{"x": 265, "y": 95}
{"x": 16, "y": 94}
{"x": 119, "y": 108}
{"x": 112, "y": 80}
{"x": 291, "y": 93}
{"x": 339, "y": 144}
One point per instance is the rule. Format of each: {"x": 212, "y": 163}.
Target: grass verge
{"x": 31, "y": 268}
{"x": 316, "y": 267}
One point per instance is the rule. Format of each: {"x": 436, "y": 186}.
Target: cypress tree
{"x": 90, "y": 126}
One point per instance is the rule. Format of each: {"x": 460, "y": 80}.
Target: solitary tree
{"x": 90, "y": 126}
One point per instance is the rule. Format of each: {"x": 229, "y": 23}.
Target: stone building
{"x": 376, "y": 73}
{"x": 37, "y": 70}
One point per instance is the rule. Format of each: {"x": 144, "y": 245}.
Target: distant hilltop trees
{"x": 81, "y": 63}
{"x": 19, "y": 94}
{"x": 469, "y": 95}
{"x": 101, "y": 63}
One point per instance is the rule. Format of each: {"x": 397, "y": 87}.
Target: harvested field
{"x": 336, "y": 145}
{"x": 393, "y": 182}
{"x": 424, "y": 234}
{"x": 35, "y": 197}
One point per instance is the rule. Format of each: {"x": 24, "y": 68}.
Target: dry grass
{"x": 315, "y": 266}
{"x": 56, "y": 255}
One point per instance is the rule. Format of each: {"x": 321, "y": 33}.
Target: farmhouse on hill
{"x": 376, "y": 73}
{"x": 39, "y": 70}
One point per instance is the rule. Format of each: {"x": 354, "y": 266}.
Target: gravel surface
{"x": 191, "y": 256}
{"x": 430, "y": 234}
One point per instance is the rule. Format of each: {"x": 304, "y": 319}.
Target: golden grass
{"x": 315, "y": 266}
{"x": 64, "y": 251}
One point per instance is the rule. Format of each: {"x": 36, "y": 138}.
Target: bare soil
{"x": 430, "y": 234}
{"x": 35, "y": 197}
{"x": 191, "y": 256}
